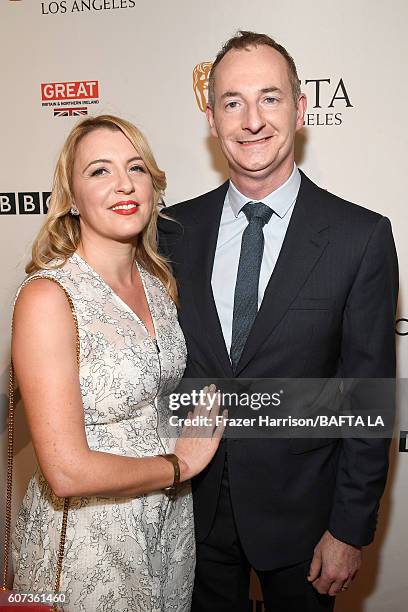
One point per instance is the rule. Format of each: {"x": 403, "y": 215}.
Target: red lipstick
{"x": 130, "y": 207}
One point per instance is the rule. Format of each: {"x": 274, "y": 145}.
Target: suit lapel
{"x": 305, "y": 241}
{"x": 203, "y": 237}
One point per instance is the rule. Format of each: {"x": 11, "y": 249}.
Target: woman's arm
{"x": 44, "y": 357}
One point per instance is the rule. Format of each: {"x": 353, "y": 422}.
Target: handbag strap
{"x": 10, "y": 448}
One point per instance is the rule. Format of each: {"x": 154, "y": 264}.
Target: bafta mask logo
{"x": 201, "y": 74}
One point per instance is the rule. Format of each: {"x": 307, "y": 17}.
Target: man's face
{"x": 254, "y": 115}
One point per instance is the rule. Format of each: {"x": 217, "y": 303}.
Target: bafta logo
{"x": 200, "y": 84}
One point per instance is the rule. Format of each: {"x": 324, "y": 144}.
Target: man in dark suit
{"x": 280, "y": 279}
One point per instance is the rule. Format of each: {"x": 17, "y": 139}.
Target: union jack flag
{"x": 70, "y": 112}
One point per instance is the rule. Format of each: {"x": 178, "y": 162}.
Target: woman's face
{"x": 111, "y": 186}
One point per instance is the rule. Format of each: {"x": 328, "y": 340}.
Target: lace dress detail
{"x": 121, "y": 554}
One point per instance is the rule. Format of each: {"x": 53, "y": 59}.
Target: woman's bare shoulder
{"x": 43, "y": 298}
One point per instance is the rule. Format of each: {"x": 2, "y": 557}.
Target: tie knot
{"x": 257, "y": 210}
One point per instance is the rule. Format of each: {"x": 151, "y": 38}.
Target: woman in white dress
{"x": 97, "y": 436}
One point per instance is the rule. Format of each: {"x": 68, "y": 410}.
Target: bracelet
{"x": 171, "y": 491}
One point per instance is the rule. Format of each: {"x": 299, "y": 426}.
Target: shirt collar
{"x": 280, "y": 200}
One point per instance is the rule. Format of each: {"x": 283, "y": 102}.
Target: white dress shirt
{"x": 233, "y": 223}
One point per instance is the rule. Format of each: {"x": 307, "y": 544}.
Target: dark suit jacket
{"x": 328, "y": 310}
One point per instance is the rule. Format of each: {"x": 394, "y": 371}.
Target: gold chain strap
{"x": 10, "y": 447}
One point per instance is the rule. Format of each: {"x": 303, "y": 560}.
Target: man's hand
{"x": 334, "y": 565}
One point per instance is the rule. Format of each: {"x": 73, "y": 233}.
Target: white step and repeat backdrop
{"x": 147, "y": 60}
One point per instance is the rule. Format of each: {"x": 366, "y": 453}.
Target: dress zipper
{"x": 166, "y": 501}
{"x": 156, "y": 344}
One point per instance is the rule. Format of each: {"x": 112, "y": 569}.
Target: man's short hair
{"x": 243, "y": 40}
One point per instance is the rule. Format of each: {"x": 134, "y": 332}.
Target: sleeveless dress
{"x": 121, "y": 554}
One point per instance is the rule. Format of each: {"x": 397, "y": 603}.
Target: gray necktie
{"x": 246, "y": 288}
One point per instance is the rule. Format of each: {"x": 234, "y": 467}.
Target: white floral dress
{"x": 121, "y": 554}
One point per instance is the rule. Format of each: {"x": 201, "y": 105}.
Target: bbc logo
{"x": 24, "y": 203}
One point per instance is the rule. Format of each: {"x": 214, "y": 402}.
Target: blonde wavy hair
{"x": 60, "y": 234}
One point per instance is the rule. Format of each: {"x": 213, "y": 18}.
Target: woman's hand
{"x": 198, "y": 443}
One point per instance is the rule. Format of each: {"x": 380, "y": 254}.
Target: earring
{"x": 74, "y": 211}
